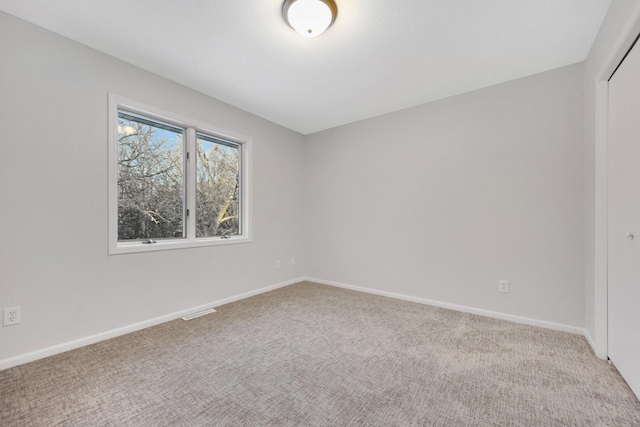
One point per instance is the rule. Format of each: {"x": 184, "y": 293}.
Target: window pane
{"x": 217, "y": 190}
{"x": 150, "y": 179}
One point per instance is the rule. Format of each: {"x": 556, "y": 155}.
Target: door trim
{"x": 626, "y": 39}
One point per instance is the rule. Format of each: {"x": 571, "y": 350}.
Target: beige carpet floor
{"x": 314, "y": 355}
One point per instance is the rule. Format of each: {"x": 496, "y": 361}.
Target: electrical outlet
{"x": 293, "y": 261}
{"x": 11, "y": 316}
{"x": 278, "y": 265}
{"x": 503, "y": 286}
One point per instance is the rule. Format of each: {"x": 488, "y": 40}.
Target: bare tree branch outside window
{"x": 217, "y": 191}
{"x": 151, "y": 182}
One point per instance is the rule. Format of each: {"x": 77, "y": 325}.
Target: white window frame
{"x": 191, "y": 127}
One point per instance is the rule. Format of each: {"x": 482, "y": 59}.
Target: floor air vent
{"x": 198, "y": 314}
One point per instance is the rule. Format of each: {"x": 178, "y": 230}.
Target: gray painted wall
{"x": 53, "y": 198}
{"x": 443, "y": 200}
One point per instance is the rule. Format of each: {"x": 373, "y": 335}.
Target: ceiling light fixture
{"x": 310, "y": 18}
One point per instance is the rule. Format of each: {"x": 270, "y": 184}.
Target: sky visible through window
{"x": 150, "y": 179}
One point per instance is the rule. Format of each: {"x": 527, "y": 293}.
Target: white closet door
{"x": 624, "y": 219}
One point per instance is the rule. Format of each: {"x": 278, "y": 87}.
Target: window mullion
{"x": 190, "y": 183}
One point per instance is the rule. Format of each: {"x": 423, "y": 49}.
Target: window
{"x": 174, "y": 182}
{"x": 150, "y": 179}
{"x": 217, "y": 187}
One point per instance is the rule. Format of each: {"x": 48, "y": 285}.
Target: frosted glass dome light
{"x": 309, "y": 18}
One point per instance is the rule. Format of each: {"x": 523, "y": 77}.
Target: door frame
{"x": 628, "y": 35}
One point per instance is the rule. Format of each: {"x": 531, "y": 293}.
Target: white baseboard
{"x": 102, "y": 336}
{"x": 462, "y": 308}
{"x": 70, "y": 345}
{"x": 594, "y": 347}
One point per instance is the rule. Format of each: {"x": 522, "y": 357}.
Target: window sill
{"x": 166, "y": 245}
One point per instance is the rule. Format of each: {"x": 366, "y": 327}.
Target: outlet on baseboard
{"x": 11, "y": 316}
{"x": 503, "y": 286}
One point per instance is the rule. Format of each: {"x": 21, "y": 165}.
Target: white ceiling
{"x": 379, "y": 56}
